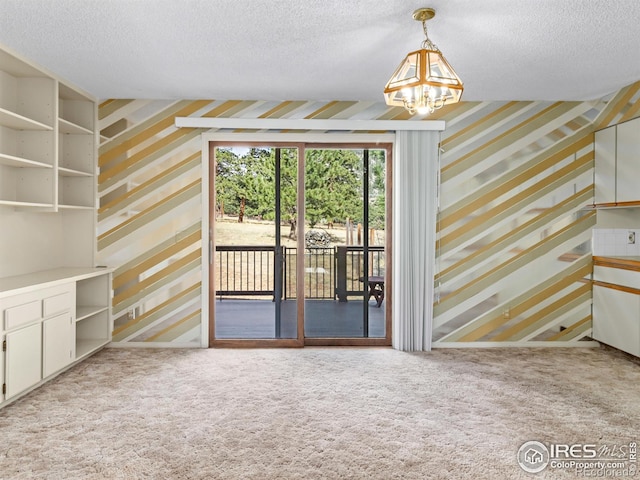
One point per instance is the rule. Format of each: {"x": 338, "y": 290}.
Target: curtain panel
{"x": 415, "y": 192}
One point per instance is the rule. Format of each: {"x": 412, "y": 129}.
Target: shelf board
{"x": 75, "y": 207}
{"x": 18, "y": 122}
{"x": 70, "y": 172}
{"x": 14, "y": 203}
{"x": 65, "y": 126}
{"x": 85, "y": 311}
{"x": 85, "y": 347}
{"x": 13, "y": 161}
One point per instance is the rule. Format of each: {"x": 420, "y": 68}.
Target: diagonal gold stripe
{"x": 488, "y": 322}
{"x": 142, "y": 160}
{"x": 163, "y": 142}
{"x": 151, "y": 184}
{"x": 173, "y": 267}
{"x": 512, "y": 333}
{"x": 319, "y": 113}
{"x": 569, "y": 331}
{"x": 631, "y": 112}
{"x": 134, "y": 273}
{"x": 498, "y": 188}
{"x": 467, "y": 263}
{"x": 186, "y": 320}
{"x": 512, "y": 264}
{"x": 282, "y": 109}
{"x": 516, "y": 202}
{"x": 110, "y": 106}
{"x": 156, "y": 312}
{"x": 159, "y": 288}
{"x": 145, "y": 216}
{"x": 224, "y": 109}
{"x": 480, "y": 125}
{"x": 151, "y": 251}
{"x": 125, "y": 145}
{"x": 524, "y": 305}
{"x": 615, "y": 105}
{"x": 495, "y": 144}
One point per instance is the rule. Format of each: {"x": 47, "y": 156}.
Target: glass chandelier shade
{"x": 424, "y": 81}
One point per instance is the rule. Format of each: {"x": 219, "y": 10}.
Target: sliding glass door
{"x": 345, "y": 261}
{"x": 254, "y": 231}
{"x": 299, "y": 245}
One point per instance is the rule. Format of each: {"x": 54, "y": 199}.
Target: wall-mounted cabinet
{"x": 617, "y": 165}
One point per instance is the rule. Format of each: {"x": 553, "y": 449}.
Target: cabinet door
{"x": 628, "y": 161}
{"x": 616, "y": 319}
{"x": 58, "y": 342}
{"x": 605, "y": 165}
{"x": 23, "y": 362}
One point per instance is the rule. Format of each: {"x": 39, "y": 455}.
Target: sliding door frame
{"x": 301, "y": 141}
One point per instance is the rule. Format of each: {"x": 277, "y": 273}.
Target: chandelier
{"x": 424, "y": 81}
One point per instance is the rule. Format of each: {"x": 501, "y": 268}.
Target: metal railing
{"x": 330, "y": 273}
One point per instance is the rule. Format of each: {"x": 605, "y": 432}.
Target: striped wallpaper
{"x": 513, "y": 234}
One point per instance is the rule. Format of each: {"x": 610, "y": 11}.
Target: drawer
{"x": 617, "y": 276}
{"x": 22, "y": 315}
{"x": 56, "y": 304}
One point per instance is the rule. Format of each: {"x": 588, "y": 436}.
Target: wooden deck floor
{"x": 323, "y": 319}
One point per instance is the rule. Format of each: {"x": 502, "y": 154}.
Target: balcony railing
{"x": 330, "y": 273}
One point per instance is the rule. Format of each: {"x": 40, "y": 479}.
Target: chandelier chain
{"x": 427, "y": 44}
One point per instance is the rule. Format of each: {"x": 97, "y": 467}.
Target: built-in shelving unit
{"x": 48, "y": 140}
{"x": 55, "y": 306}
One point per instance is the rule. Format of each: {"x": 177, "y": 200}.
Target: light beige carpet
{"x": 317, "y": 413}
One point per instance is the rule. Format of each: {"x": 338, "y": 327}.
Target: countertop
{"x": 627, "y": 263}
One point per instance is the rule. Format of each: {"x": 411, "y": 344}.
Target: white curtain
{"x": 415, "y": 195}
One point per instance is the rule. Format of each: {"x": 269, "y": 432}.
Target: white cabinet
{"x": 50, "y": 320}
{"x": 616, "y": 319}
{"x": 617, "y": 164}
{"x": 23, "y": 359}
{"x": 628, "y": 161}
{"x": 605, "y": 166}
{"x": 58, "y": 342}
{"x": 616, "y": 308}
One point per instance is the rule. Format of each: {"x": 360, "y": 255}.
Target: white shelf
{"x": 86, "y": 347}
{"x": 14, "y": 203}
{"x": 18, "y": 122}
{"x": 65, "y": 126}
{"x": 83, "y": 311}
{"x": 19, "y": 162}
{"x": 75, "y": 207}
{"x": 70, "y": 172}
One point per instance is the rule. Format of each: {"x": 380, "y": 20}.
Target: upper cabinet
{"x": 617, "y": 164}
{"x": 605, "y": 166}
{"x": 48, "y": 140}
{"x": 628, "y": 161}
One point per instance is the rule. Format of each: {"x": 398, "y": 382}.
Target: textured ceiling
{"x": 325, "y": 49}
